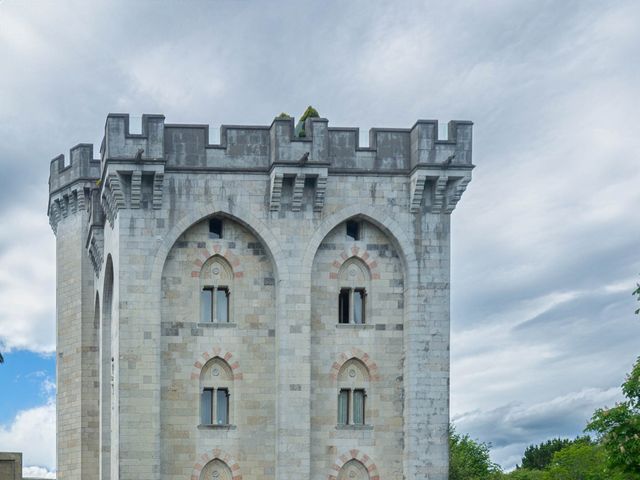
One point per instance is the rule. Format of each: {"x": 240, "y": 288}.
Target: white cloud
{"x": 27, "y": 282}
{"x": 512, "y": 427}
{"x": 32, "y": 432}
{"x": 37, "y": 472}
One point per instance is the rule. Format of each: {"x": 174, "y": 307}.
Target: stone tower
{"x": 270, "y": 307}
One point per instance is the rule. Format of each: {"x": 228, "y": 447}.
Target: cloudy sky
{"x": 545, "y": 240}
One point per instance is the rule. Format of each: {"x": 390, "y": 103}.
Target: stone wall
{"x": 284, "y": 201}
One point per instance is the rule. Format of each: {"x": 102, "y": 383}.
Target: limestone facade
{"x": 270, "y": 307}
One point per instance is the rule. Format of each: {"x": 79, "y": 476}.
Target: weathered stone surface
{"x": 135, "y": 250}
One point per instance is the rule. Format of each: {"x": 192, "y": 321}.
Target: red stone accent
{"x": 216, "y": 352}
{"x": 354, "y": 454}
{"x": 195, "y": 274}
{"x": 375, "y": 276}
{"x": 333, "y": 275}
{"x": 355, "y": 250}
{"x": 238, "y": 274}
{"x": 217, "y": 248}
{"x": 358, "y": 354}
{"x": 217, "y": 454}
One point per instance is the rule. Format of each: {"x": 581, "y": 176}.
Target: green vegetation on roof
{"x": 310, "y": 112}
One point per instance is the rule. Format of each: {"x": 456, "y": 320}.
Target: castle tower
{"x": 272, "y": 307}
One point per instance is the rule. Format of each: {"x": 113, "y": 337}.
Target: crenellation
{"x": 283, "y": 275}
{"x": 120, "y": 144}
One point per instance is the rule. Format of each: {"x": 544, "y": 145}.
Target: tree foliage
{"x": 538, "y": 457}
{"x": 469, "y": 459}
{"x": 580, "y": 461}
{"x": 618, "y": 427}
{"x": 524, "y": 474}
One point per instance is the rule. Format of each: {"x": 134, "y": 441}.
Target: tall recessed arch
{"x": 242, "y": 216}
{"x": 106, "y": 377}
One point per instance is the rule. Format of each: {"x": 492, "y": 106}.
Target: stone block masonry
{"x": 270, "y": 307}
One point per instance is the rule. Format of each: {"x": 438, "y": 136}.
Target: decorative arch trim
{"x": 244, "y": 217}
{"x": 216, "y": 454}
{"x": 382, "y": 219}
{"x": 353, "y": 454}
{"x": 356, "y": 252}
{"x": 205, "y": 254}
{"x": 219, "y": 353}
{"x": 357, "y": 354}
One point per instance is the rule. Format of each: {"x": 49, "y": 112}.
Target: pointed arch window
{"x": 354, "y": 279}
{"x": 216, "y": 282}
{"x": 353, "y": 384}
{"x": 216, "y": 389}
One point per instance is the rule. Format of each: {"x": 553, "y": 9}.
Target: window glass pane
{"x": 343, "y": 407}
{"x": 222, "y": 305}
{"x": 358, "y": 407}
{"x": 222, "y": 401}
{"x": 358, "y": 306}
{"x": 353, "y": 230}
{"x": 215, "y": 228}
{"x": 206, "y": 406}
{"x": 343, "y": 306}
{"x": 205, "y": 305}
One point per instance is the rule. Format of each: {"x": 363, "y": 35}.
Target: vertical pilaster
{"x": 293, "y": 404}
{"x": 77, "y": 358}
{"x": 136, "y": 449}
{"x": 426, "y": 366}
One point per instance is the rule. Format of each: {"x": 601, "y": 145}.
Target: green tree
{"x": 581, "y": 461}
{"x": 618, "y": 428}
{"x": 538, "y": 457}
{"x": 1, "y": 358}
{"x": 469, "y": 459}
{"x": 524, "y": 474}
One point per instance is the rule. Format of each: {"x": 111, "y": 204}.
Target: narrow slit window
{"x": 206, "y": 406}
{"x": 222, "y": 406}
{"x": 343, "y": 305}
{"x": 206, "y": 305}
{"x": 353, "y": 230}
{"x": 215, "y": 228}
{"x": 343, "y": 407}
{"x": 222, "y": 305}
{"x": 358, "y": 305}
{"x": 358, "y": 407}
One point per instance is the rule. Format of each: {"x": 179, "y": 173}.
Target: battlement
{"x": 131, "y": 163}
{"x": 259, "y": 147}
{"x": 81, "y": 167}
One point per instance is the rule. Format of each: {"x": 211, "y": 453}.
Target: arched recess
{"x": 106, "y": 374}
{"x": 240, "y": 215}
{"x": 378, "y": 217}
{"x": 353, "y": 470}
{"x": 216, "y": 470}
{"x": 216, "y": 459}
{"x": 354, "y": 461}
